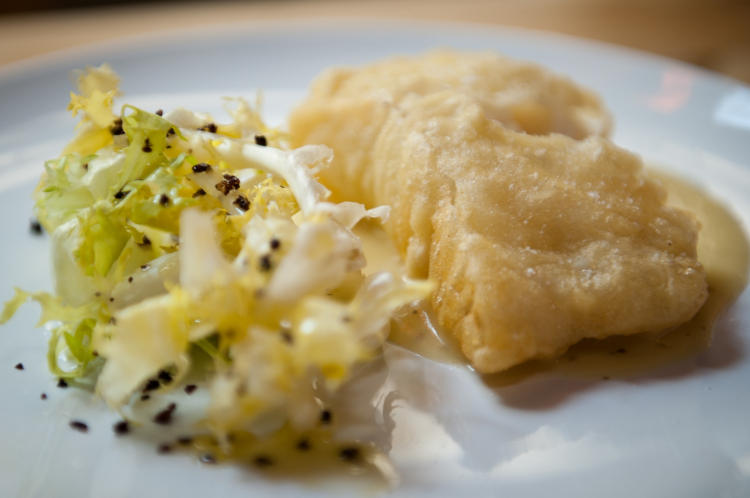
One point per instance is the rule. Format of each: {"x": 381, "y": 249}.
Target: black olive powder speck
{"x": 164, "y": 417}
{"x": 79, "y": 426}
{"x": 350, "y": 454}
{"x": 122, "y": 427}
{"x": 326, "y": 417}
{"x": 35, "y": 227}
{"x": 165, "y": 376}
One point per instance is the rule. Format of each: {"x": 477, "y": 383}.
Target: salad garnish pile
{"x": 171, "y": 232}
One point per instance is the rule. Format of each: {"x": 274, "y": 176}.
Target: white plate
{"x": 684, "y": 432}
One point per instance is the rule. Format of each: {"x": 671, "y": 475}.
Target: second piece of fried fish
{"x": 535, "y": 241}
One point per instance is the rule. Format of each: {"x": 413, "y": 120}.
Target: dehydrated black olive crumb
{"x": 222, "y": 187}
{"x": 121, "y": 427}
{"x": 165, "y": 376}
{"x": 43, "y": 396}
{"x": 184, "y": 441}
{"x": 190, "y": 388}
{"x": 145, "y": 267}
{"x": 164, "y": 448}
{"x": 263, "y": 461}
{"x": 228, "y": 184}
{"x": 111, "y": 299}
{"x": 287, "y": 337}
{"x": 79, "y": 426}
{"x": 116, "y": 128}
{"x": 145, "y": 397}
{"x": 62, "y": 384}
{"x": 35, "y": 227}
{"x": 19, "y": 366}
{"x": 146, "y": 146}
{"x": 326, "y": 417}
{"x": 113, "y": 321}
{"x": 151, "y": 385}
{"x": 242, "y": 202}
{"x": 159, "y": 113}
{"x": 275, "y": 243}
{"x": 198, "y": 193}
{"x": 164, "y": 199}
{"x": 303, "y": 444}
{"x": 261, "y": 140}
{"x": 164, "y": 417}
{"x": 210, "y": 127}
{"x": 265, "y": 262}
{"x": 201, "y": 168}
{"x": 130, "y": 279}
{"x": 349, "y": 454}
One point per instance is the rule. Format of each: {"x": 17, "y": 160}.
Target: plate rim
{"x": 55, "y": 58}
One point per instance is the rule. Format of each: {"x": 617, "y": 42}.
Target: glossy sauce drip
{"x": 722, "y": 248}
{"x": 414, "y": 328}
{"x": 310, "y": 458}
{"x": 313, "y": 456}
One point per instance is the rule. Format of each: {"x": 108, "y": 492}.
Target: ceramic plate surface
{"x": 683, "y": 431}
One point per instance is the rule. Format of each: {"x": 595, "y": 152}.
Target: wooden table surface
{"x": 711, "y": 33}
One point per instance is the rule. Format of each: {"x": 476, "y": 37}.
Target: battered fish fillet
{"x": 535, "y": 241}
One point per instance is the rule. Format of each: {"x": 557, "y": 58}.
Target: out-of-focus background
{"x": 714, "y": 34}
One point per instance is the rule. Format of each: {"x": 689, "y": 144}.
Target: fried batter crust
{"x": 535, "y": 241}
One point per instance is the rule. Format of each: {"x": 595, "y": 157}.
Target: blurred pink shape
{"x": 676, "y": 86}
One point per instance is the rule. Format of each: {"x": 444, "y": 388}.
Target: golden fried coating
{"x": 349, "y": 106}
{"x": 535, "y": 241}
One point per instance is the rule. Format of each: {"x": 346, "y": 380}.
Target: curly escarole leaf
{"x": 76, "y": 340}
{"x": 97, "y": 86}
{"x": 52, "y": 308}
{"x": 62, "y": 193}
{"x": 103, "y": 239}
{"x": 75, "y": 333}
{"x": 147, "y": 134}
{"x": 169, "y": 196}
{"x": 147, "y": 337}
